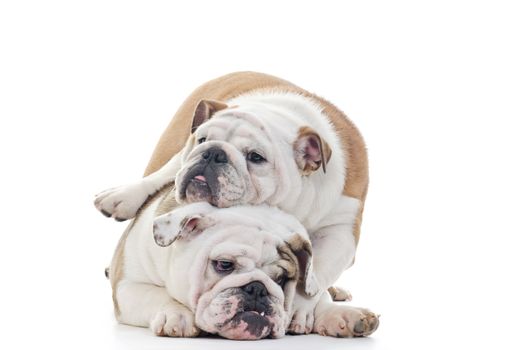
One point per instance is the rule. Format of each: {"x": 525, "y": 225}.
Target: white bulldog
{"x": 232, "y": 272}
{"x": 270, "y": 142}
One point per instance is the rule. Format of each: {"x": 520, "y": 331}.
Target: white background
{"x": 438, "y": 88}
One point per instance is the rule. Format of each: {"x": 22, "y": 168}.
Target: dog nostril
{"x": 256, "y": 289}
{"x": 220, "y": 157}
{"x": 215, "y": 154}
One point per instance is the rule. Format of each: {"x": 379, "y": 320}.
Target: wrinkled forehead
{"x": 239, "y": 240}
{"x": 233, "y": 125}
{"x": 250, "y": 248}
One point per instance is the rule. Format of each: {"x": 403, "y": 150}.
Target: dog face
{"x": 246, "y": 293}
{"x": 244, "y": 272}
{"x": 238, "y": 158}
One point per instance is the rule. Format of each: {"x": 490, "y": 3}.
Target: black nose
{"x": 216, "y": 154}
{"x": 255, "y": 289}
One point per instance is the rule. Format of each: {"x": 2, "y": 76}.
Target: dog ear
{"x": 182, "y": 223}
{"x": 204, "y": 111}
{"x": 302, "y": 249}
{"x": 311, "y": 151}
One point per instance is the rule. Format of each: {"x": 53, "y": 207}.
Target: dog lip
{"x": 257, "y": 309}
{"x": 200, "y": 178}
{"x": 199, "y": 184}
{"x": 197, "y": 190}
{"x": 262, "y": 313}
{"x": 257, "y": 326}
{"x": 191, "y": 175}
{"x": 254, "y": 312}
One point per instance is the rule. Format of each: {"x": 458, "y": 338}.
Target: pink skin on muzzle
{"x": 222, "y": 312}
{"x": 226, "y": 317}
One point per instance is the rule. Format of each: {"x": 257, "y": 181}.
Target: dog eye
{"x": 201, "y": 140}
{"x": 254, "y": 157}
{"x": 223, "y": 266}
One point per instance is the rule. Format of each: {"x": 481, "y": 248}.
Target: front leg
{"x": 122, "y": 203}
{"x": 334, "y": 249}
{"x": 334, "y": 240}
{"x": 303, "y": 313}
{"x": 304, "y": 308}
{"x": 147, "y": 305}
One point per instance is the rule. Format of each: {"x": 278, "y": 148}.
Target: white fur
{"x": 123, "y": 202}
{"x": 310, "y": 201}
{"x": 314, "y": 197}
{"x": 169, "y": 288}
{"x": 316, "y": 200}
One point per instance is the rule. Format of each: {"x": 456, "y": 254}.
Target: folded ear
{"x": 302, "y": 249}
{"x": 181, "y": 224}
{"x": 311, "y": 151}
{"x": 204, "y": 111}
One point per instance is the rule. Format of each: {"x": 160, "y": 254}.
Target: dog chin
{"x": 225, "y": 315}
{"x": 198, "y": 191}
{"x": 247, "y": 325}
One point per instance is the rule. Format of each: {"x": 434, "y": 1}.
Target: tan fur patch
{"x": 288, "y": 261}
{"x": 168, "y": 203}
{"x": 333, "y": 292}
{"x": 298, "y": 243}
{"x": 117, "y": 266}
{"x": 302, "y": 249}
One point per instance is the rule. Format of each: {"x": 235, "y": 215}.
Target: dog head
{"x": 248, "y": 154}
{"x": 247, "y": 263}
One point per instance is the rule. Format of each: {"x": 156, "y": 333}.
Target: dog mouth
{"x": 213, "y": 184}
{"x": 248, "y": 325}
{"x": 197, "y": 188}
{"x": 234, "y": 315}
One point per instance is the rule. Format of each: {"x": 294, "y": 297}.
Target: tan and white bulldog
{"x": 250, "y": 138}
{"x": 232, "y": 272}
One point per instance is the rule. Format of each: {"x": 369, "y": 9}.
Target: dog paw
{"x": 303, "y": 315}
{"x": 174, "y": 323}
{"x": 121, "y": 203}
{"x": 302, "y": 323}
{"x": 346, "y": 321}
{"x": 339, "y": 294}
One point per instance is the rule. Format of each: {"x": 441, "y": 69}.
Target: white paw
{"x": 303, "y": 315}
{"x": 121, "y": 203}
{"x": 339, "y": 294}
{"x": 174, "y": 323}
{"x": 346, "y": 321}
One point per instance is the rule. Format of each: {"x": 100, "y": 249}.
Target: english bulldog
{"x": 232, "y": 272}
{"x": 251, "y": 138}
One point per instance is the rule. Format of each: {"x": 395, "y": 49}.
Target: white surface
{"x": 439, "y": 90}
